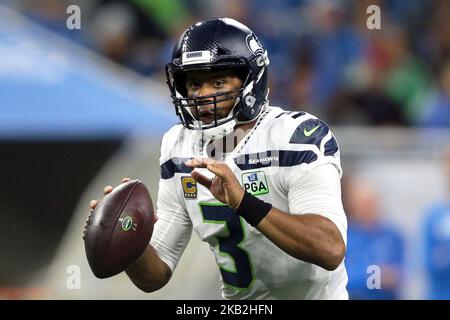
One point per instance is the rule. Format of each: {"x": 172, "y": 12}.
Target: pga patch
{"x": 189, "y": 187}
{"x": 255, "y": 183}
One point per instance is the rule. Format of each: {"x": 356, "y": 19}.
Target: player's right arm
{"x": 171, "y": 232}
{"x": 149, "y": 273}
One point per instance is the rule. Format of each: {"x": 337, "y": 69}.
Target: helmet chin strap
{"x": 216, "y": 133}
{"x": 206, "y": 136}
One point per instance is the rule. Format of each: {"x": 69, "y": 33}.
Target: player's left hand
{"x": 224, "y": 186}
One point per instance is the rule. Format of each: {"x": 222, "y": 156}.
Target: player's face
{"x": 204, "y": 83}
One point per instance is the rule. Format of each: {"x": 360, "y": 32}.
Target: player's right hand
{"x": 108, "y": 189}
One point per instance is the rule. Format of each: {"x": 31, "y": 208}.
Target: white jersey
{"x": 291, "y": 160}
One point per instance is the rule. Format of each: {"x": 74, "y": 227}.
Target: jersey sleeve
{"x": 318, "y": 192}
{"x": 173, "y": 229}
{"x": 310, "y": 170}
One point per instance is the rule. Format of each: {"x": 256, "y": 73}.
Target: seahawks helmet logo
{"x": 253, "y": 44}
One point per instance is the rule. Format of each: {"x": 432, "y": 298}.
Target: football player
{"x": 261, "y": 185}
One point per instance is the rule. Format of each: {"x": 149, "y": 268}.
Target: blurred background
{"x": 80, "y": 109}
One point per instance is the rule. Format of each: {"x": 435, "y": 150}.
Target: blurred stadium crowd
{"x": 324, "y": 59}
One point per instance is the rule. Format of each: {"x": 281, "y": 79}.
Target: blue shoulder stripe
{"x": 293, "y": 114}
{"x": 311, "y": 131}
{"x": 298, "y": 114}
{"x": 331, "y": 147}
{"x": 274, "y": 158}
{"x": 171, "y": 166}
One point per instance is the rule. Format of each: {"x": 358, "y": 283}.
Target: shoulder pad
{"x": 306, "y": 131}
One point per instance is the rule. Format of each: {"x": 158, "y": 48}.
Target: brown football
{"x": 119, "y": 229}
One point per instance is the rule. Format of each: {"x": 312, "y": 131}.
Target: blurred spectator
{"x": 433, "y": 40}
{"x": 362, "y": 98}
{"x": 407, "y": 78}
{"x": 113, "y": 28}
{"x": 437, "y": 244}
{"x": 301, "y": 91}
{"x": 168, "y": 15}
{"x": 335, "y": 46}
{"x": 369, "y": 107}
{"x": 323, "y": 57}
{"x": 437, "y": 102}
{"x": 370, "y": 243}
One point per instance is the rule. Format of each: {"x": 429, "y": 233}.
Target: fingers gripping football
{"x": 93, "y": 204}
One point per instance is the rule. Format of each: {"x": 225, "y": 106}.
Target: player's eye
{"x": 219, "y": 83}
{"x": 193, "y": 85}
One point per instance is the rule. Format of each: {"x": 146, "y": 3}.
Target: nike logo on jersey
{"x": 310, "y": 132}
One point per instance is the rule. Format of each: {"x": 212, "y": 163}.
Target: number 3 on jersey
{"x": 230, "y": 244}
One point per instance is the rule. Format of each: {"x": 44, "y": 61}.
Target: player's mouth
{"x": 207, "y": 116}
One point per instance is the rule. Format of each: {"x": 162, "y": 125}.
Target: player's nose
{"x": 205, "y": 90}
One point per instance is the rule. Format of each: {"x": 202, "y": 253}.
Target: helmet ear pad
{"x": 246, "y": 110}
{"x": 180, "y": 83}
